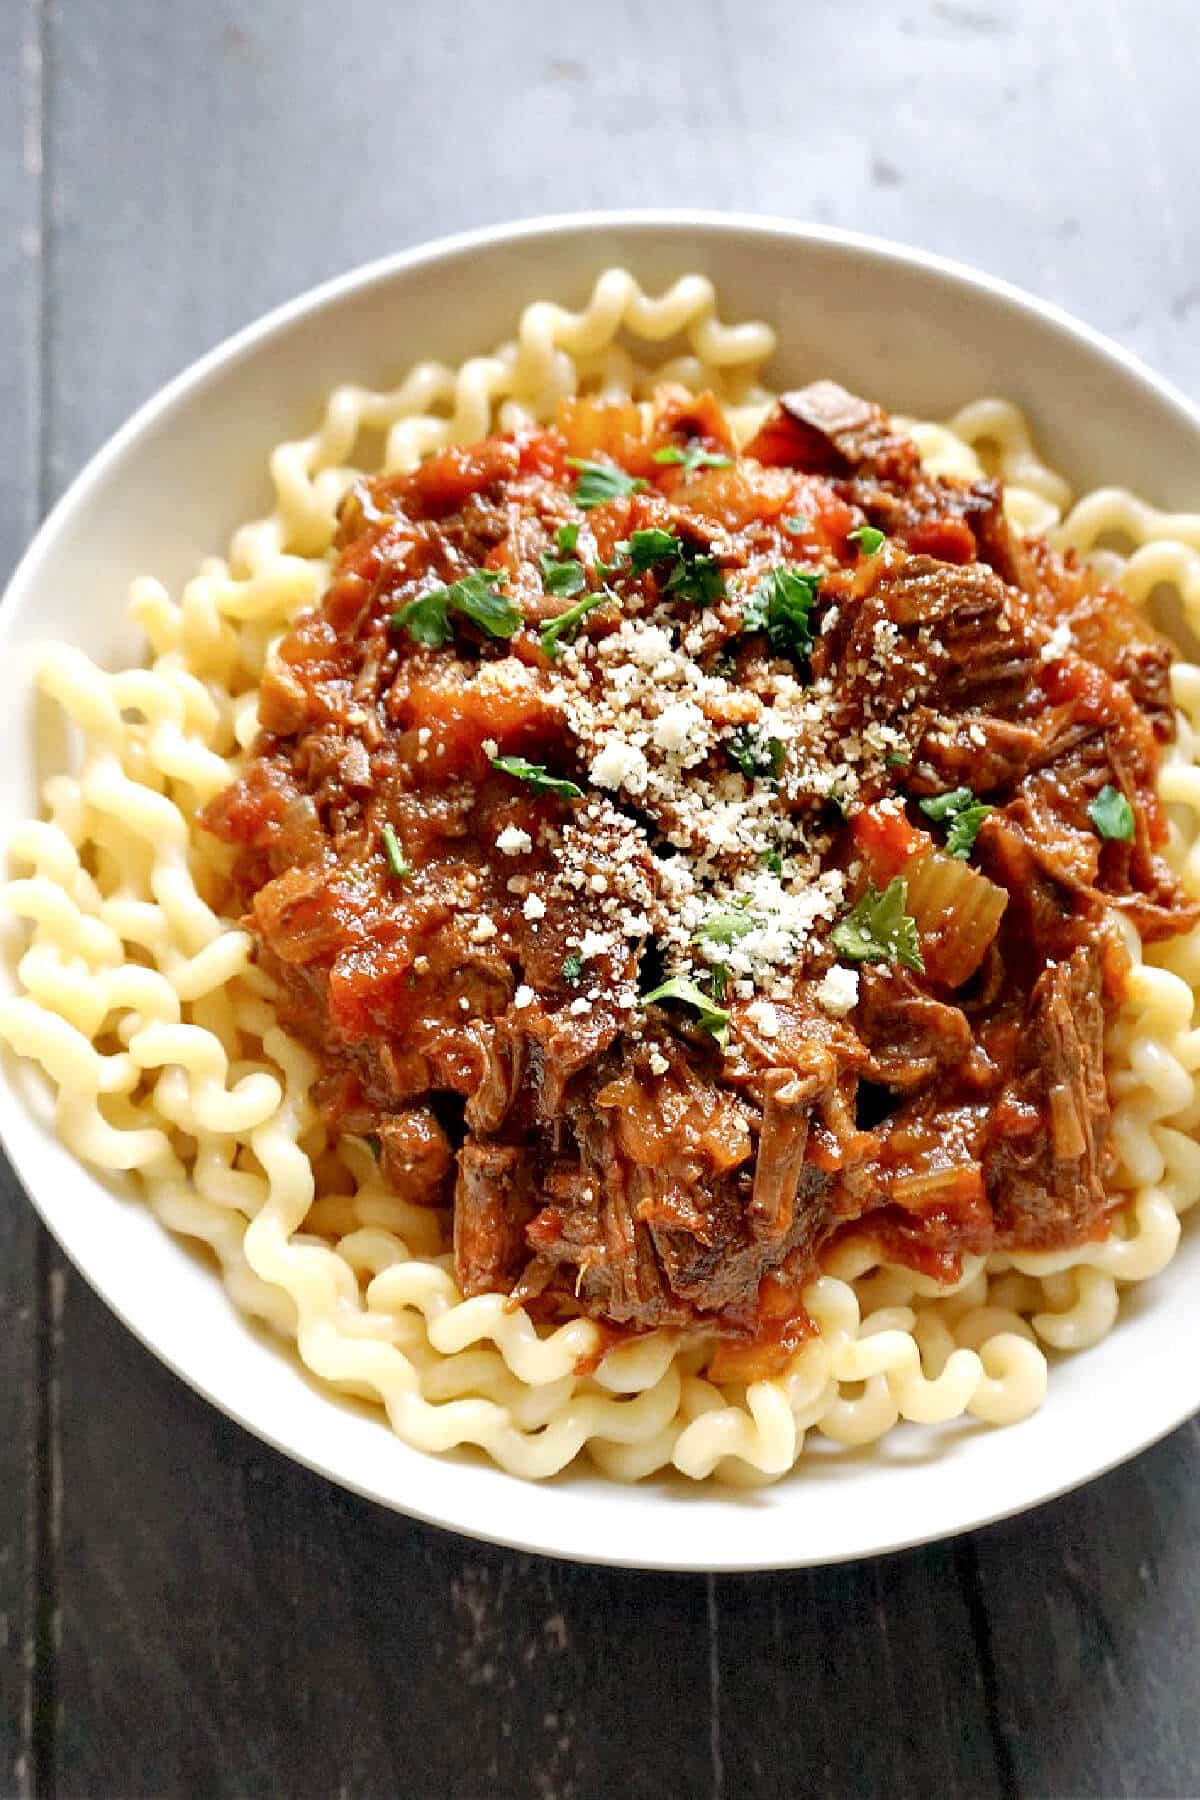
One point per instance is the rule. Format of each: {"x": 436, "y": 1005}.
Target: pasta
{"x": 141, "y": 999}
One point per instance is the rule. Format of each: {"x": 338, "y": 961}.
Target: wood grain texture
{"x": 23, "y": 1401}
{"x": 229, "y": 1623}
{"x": 1093, "y": 1623}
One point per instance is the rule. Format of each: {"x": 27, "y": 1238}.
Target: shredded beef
{"x": 468, "y": 947}
{"x": 1044, "y": 1156}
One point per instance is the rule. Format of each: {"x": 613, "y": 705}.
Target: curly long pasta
{"x": 141, "y": 1000}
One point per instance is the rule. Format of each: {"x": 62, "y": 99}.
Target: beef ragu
{"x": 676, "y": 856}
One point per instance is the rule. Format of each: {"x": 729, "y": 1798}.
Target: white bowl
{"x": 917, "y": 332}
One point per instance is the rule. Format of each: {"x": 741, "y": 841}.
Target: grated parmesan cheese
{"x": 837, "y": 990}
{"x": 512, "y": 841}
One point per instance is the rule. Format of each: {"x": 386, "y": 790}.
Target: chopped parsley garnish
{"x": 694, "y": 576}
{"x": 646, "y": 548}
{"x": 773, "y": 861}
{"x": 869, "y": 539}
{"x": 962, "y": 814}
{"x": 710, "y": 1017}
{"x": 572, "y": 968}
{"x": 536, "y": 774}
{"x": 693, "y": 458}
{"x": 724, "y": 928}
{"x": 781, "y": 605}
{"x": 427, "y": 618}
{"x": 944, "y": 806}
{"x": 599, "y": 482}
{"x": 561, "y": 577}
{"x": 964, "y": 829}
{"x": 755, "y": 755}
{"x": 897, "y": 759}
{"x": 564, "y": 628}
{"x": 1112, "y": 815}
{"x": 397, "y": 862}
{"x": 878, "y": 929}
{"x": 566, "y": 537}
{"x": 796, "y": 524}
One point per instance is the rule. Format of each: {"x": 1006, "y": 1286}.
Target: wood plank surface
{"x": 25, "y": 1386}
{"x": 231, "y": 1624}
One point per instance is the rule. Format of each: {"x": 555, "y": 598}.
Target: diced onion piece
{"x": 953, "y": 1188}
{"x": 599, "y": 425}
{"x": 958, "y": 913}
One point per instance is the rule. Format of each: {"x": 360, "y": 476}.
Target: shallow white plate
{"x": 918, "y": 333}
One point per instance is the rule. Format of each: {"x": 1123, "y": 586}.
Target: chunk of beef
{"x": 493, "y": 1203}
{"x": 910, "y": 1037}
{"x": 506, "y": 1058}
{"x": 415, "y": 1157}
{"x": 282, "y": 699}
{"x": 972, "y": 750}
{"x": 651, "y": 1211}
{"x": 1107, "y": 628}
{"x": 958, "y": 641}
{"x": 782, "y": 1142}
{"x": 955, "y": 521}
{"x": 1146, "y": 671}
{"x": 297, "y": 915}
{"x": 1044, "y": 1153}
{"x": 825, "y": 430}
{"x": 1044, "y": 847}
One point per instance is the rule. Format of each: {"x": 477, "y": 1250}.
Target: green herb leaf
{"x": 964, "y": 829}
{"x": 944, "y": 806}
{"x": 724, "y": 928}
{"x": 572, "y": 968}
{"x": 963, "y": 815}
{"x": 781, "y": 606}
{"x": 599, "y": 482}
{"x": 755, "y": 755}
{"x": 697, "y": 578}
{"x": 693, "y": 458}
{"x": 474, "y": 597}
{"x": 869, "y": 538}
{"x": 897, "y": 759}
{"x": 566, "y": 537}
{"x": 561, "y": 577}
{"x": 694, "y": 576}
{"x": 397, "y": 862}
{"x": 711, "y": 1018}
{"x": 796, "y": 524}
{"x": 878, "y": 929}
{"x": 645, "y": 548}
{"x": 773, "y": 861}
{"x": 426, "y": 619}
{"x": 565, "y": 627}
{"x": 1112, "y": 815}
{"x": 537, "y": 776}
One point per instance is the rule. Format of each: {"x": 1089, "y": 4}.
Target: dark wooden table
{"x": 181, "y": 1611}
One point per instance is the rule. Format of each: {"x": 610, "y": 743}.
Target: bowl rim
{"x": 238, "y": 346}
